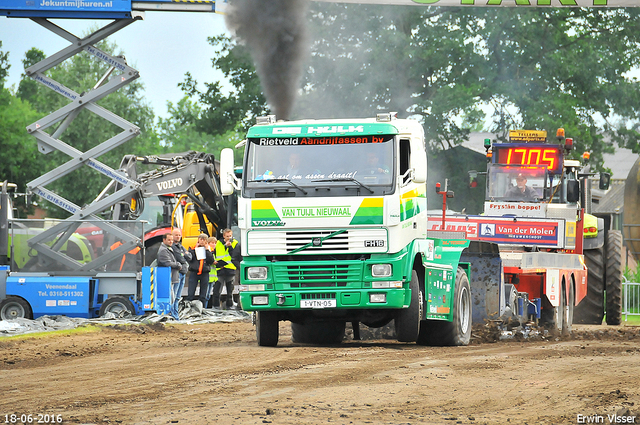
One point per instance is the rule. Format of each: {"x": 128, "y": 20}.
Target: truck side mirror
{"x": 419, "y": 165}
{"x": 573, "y": 191}
{"x": 226, "y": 171}
{"x": 605, "y": 180}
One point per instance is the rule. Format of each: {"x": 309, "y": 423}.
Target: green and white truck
{"x": 333, "y": 229}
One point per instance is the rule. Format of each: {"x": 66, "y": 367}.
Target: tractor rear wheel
{"x": 590, "y": 310}
{"x": 614, "y": 278}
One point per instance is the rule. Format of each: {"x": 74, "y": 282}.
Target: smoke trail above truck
{"x": 275, "y": 33}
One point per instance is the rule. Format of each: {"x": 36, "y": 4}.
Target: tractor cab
{"x": 528, "y": 169}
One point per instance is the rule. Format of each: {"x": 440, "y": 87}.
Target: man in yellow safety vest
{"x": 227, "y": 262}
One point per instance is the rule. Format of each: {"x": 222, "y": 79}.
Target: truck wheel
{"x": 15, "y": 308}
{"x": 613, "y": 275}
{"x": 552, "y": 317}
{"x": 118, "y": 306}
{"x": 267, "y": 328}
{"x": 590, "y": 310}
{"x": 567, "y": 320}
{"x": 318, "y": 332}
{"x": 407, "y": 321}
{"x": 458, "y": 331}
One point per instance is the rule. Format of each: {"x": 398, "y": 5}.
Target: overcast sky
{"x": 163, "y": 47}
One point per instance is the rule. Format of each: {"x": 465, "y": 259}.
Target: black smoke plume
{"x": 274, "y": 31}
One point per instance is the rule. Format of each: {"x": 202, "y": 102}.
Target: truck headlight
{"x": 381, "y": 270}
{"x": 377, "y": 298}
{"x": 251, "y": 288}
{"x": 256, "y": 273}
{"x": 386, "y": 284}
{"x": 260, "y": 300}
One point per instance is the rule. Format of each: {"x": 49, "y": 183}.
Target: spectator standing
{"x": 183, "y": 257}
{"x": 199, "y": 267}
{"x": 166, "y": 258}
{"x": 227, "y": 258}
{"x": 213, "y": 274}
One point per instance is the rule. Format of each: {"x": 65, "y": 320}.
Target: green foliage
{"x": 4, "y": 66}
{"x": 632, "y": 275}
{"x": 565, "y": 68}
{"x": 224, "y": 113}
{"x": 534, "y": 68}
{"x": 28, "y": 88}
{"x": 453, "y": 164}
{"x": 370, "y": 59}
{"x": 179, "y": 132}
{"x": 19, "y": 163}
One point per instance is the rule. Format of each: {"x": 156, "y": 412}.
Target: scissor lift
{"x": 123, "y": 12}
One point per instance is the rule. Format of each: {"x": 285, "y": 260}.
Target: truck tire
{"x": 613, "y": 273}
{"x": 267, "y": 328}
{"x": 590, "y": 310}
{"x": 407, "y": 320}
{"x": 553, "y": 318}
{"x": 458, "y": 331}
{"x": 324, "y": 332}
{"x": 15, "y": 308}
{"x": 117, "y": 306}
{"x": 567, "y": 319}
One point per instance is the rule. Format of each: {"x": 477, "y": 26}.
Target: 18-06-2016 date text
{"x": 32, "y": 418}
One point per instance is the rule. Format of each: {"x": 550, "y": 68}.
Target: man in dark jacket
{"x": 199, "y": 266}
{"x": 183, "y": 257}
{"x": 166, "y": 258}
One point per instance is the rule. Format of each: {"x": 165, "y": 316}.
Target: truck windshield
{"x": 509, "y": 183}
{"x": 317, "y": 169}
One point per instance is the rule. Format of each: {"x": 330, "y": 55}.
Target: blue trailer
{"x": 31, "y": 295}
{"x": 91, "y": 268}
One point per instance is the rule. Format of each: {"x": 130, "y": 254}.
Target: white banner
{"x": 508, "y": 3}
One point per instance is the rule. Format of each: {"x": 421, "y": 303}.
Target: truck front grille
{"x": 297, "y": 240}
{"x": 319, "y": 296}
{"x": 316, "y": 276}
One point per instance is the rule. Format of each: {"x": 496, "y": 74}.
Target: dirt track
{"x": 216, "y": 373}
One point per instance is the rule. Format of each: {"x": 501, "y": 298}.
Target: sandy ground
{"x": 216, "y": 373}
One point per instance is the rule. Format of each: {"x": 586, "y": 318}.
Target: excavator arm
{"x": 191, "y": 173}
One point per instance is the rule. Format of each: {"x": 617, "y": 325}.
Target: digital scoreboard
{"x": 528, "y": 154}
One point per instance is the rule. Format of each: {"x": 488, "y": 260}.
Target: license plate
{"x": 317, "y": 303}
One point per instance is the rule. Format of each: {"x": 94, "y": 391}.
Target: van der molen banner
{"x": 508, "y": 3}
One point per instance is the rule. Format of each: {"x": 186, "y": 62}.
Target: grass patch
{"x": 631, "y": 320}
{"x": 45, "y": 334}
